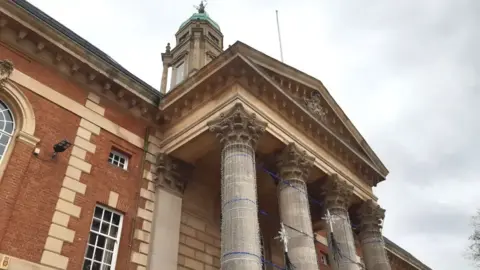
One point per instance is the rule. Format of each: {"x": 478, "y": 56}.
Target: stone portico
{"x": 262, "y": 141}
{"x": 228, "y": 157}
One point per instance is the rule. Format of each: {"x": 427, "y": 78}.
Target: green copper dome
{"x": 202, "y": 16}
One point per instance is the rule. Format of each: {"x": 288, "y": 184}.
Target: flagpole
{"x": 279, "y": 37}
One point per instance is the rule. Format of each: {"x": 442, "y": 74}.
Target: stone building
{"x": 99, "y": 170}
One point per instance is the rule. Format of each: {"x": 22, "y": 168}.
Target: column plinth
{"x": 238, "y": 132}
{"x": 371, "y": 239}
{"x": 338, "y": 195}
{"x": 294, "y": 167}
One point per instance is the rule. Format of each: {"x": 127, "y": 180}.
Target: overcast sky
{"x": 405, "y": 72}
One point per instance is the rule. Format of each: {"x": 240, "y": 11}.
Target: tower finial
{"x": 201, "y": 7}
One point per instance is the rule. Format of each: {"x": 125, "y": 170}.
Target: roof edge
{"x": 406, "y": 256}
{"x": 84, "y": 44}
{"x": 361, "y": 140}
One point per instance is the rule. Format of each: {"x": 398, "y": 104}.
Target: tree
{"x": 474, "y": 248}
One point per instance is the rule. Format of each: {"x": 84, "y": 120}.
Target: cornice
{"x": 39, "y": 41}
{"x": 403, "y": 255}
{"x": 262, "y": 59}
{"x": 232, "y": 66}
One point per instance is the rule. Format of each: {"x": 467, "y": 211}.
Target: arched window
{"x": 7, "y": 128}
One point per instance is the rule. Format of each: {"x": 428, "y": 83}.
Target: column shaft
{"x": 371, "y": 239}
{"x": 163, "y": 85}
{"x": 240, "y": 227}
{"x": 238, "y": 133}
{"x": 294, "y": 207}
{"x": 337, "y": 199}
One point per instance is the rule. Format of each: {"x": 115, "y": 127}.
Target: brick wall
{"x": 31, "y": 186}
{"x": 35, "y": 182}
{"x": 199, "y": 244}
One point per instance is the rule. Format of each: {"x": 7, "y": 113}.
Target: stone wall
{"x": 199, "y": 244}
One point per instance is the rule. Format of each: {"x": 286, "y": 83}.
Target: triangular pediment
{"x": 311, "y": 94}
{"x": 305, "y": 104}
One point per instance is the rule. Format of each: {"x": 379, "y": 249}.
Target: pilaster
{"x": 371, "y": 239}
{"x": 238, "y": 132}
{"x": 294, "y": 166}
{"x": 171, "y": 180}
{"x": 145, "y": 211}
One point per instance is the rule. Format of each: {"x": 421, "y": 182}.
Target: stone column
{"x": 294, "y": 167}
{"x": 163, "y": 85}
{"x": 172, "y": 176}
{"x": 371, "y": 239}
{"x": 238, "y": 133}
{"x": 337, "y": 200}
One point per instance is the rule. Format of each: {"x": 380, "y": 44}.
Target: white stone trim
{"x": 113, "y": 199}
{"x": 15, "y": 263}
{"x": 65, "y": 207}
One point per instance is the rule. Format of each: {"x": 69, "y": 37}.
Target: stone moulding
{"x": 172, "y": 174}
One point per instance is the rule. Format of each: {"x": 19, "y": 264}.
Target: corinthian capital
{"x": 172, "y": 173}
{"x": 237, "y": 126}
{"x": 294, "y": 163}
{"x": 338, "y": 193}
{"x": 6, "y": 69}
{"x": 371, "y": 217}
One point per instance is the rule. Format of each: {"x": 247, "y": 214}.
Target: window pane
{"x": 101, "y": 241}
{"x": 107, "y": 215}
{"x": 8, "y": 116}
{"x": 87, "y": 264}
{"x": 9, "y": 127}
{"x": 96, "y": 266}
{"x": 108, "y": 257}
{"x": 93, "y": 239}
{"x": 113, "y": 231}
{"x": 96, "y": 225}
{"x": 116, "y": 219}
{"x": 90, "y": 251}
{"x": 2, "y": 150}
{"x": 4, "y": 139}
{"x": 98, "y": 212}
{"x": 104, "y": 228}
{"x": 98, "y": 254}
{"x": 110, "y": 244}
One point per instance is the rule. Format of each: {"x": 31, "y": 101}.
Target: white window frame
{"x": 323, "y": 258}
{"x": 7, "y": 134}
{"x": 117, "y": 239}
{"x": 120, "y": 155}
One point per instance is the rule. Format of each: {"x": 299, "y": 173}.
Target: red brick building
{"x": 110, "y": 197}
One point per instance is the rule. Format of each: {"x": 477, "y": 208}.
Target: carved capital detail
{"x": 294, "y": 164}
{"x": 371, "y": 219}
{"x": 237, "y": 126}
{"x": 172, "y": 173}
{"x": 338, "y": 193}
{"x": 314, "y": 105}
{"x": 6, "y": 69}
